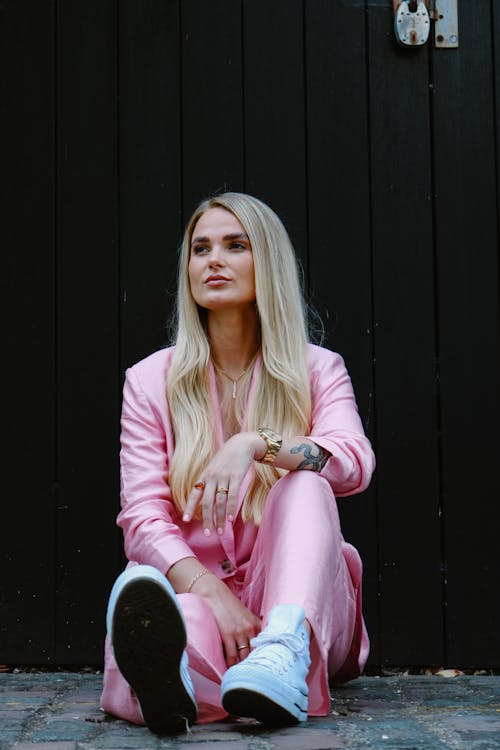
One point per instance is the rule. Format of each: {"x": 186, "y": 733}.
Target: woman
{"x": 241, "y": 596}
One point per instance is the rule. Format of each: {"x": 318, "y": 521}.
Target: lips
{"x": 216, "y": 279}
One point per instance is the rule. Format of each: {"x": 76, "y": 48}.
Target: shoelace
{"x": 294, "y": 645}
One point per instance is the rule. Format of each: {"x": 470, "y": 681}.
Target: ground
{"x": 60, "y": 711}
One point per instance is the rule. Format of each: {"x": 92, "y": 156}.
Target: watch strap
{"x": 273, "y": 442}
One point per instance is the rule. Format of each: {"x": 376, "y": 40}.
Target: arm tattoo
{"x": 313, "y": 463}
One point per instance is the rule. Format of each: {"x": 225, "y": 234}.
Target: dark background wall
{"x": 117, "y": 117}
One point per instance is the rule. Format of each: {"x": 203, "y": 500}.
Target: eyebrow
{"x": 232, "y": 236}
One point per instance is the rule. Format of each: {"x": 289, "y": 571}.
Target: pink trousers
{"x": 299, "y": 557}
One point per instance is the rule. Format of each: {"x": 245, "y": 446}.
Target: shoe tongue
{"x": 285, "y": 618}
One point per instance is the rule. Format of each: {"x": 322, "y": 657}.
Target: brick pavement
{"x": 59, "y": 711}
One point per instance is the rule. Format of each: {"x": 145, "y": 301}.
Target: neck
{"x": 234, "y": 339}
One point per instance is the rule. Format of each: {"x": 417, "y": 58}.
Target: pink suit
{"x": 297, "y": 554}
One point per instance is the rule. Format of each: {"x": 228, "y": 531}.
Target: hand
{"x": 237, "y": 625}
{"x": 221, "y": 481}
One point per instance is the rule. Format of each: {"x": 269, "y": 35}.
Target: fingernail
{"x": 230, "y": 518}
{"x": 219, "y": 531}
{"x": 206, "y": 532}
{"x": 186, "y": 517}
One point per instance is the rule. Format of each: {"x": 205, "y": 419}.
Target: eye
{"x": 236, "y": 245}
{"x": 199, "y": 249}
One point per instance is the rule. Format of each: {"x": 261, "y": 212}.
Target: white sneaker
{"x": 148, "y": 635}
{"x": 270, "y": 684}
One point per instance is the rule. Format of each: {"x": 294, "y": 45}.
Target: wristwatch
{"x": 273, "y": 442}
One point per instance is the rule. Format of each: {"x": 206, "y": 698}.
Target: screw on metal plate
{"x": 412, "y": 23}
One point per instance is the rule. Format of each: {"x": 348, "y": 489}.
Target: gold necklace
{"x": 234, "y": 381}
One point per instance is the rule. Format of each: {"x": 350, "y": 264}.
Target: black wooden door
{"x": 117, "y": 118}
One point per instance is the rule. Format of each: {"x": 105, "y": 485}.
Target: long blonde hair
{"x": 281, "y": 398}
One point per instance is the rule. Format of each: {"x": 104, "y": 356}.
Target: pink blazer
{"x": 153, "y": 530}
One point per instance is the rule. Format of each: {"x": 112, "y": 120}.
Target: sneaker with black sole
{"x": 148, "y": 636}
{"x": 270, "y": 684}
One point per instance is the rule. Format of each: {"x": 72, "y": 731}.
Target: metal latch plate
{"x": 446, "y": 26}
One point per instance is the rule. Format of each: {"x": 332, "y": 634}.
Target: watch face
{"x": 271, "y": 435}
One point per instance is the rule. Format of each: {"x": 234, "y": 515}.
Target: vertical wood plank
{"x": 88, "y": 324}
{"x": 150, "y": 179}
{"x": 275, "y": 138}
{"x": 495, "y": 36}
{"x": 468, "y": 283}
{"x": 27, "y": 129}
{"x": 212, "y": 119}
{"x": 408, "y": 458}
{"x": 339, "y": 233}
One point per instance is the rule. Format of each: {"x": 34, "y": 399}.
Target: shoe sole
{"x": 149, "y": 639}
{"x": 241, "y": 701}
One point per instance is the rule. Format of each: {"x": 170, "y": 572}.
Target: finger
{"x": 207, "y": 507}
{"x": 232, "y": 500}
{"x": 256, "y": 629}
{"x": 235, "y": 482}
{"x": 230, "y": 651}
{"x": 221, "y": 504}
{"x": 243, "y": 651}
{"x": 194, "y": 498}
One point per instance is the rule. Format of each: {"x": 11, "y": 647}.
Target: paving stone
{"x": 396, "y": 734}
{"x": 23, "y": 699}
{"x": 120, "y": 742}
{"x": 62, "y": 731}
{"x": 8, "y": 738}
{"x": 312, "y": 739}
{"x": 15, "y": 717}
{"x": 208, "y": 733}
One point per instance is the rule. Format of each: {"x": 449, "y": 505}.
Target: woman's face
{"x": 221, "y": 271}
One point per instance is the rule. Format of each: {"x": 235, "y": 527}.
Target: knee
{"x": 302, "y": 502}
{"x": 300, "y": 490}
{"x": 303, "y": 484}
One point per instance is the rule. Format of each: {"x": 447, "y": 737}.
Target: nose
{"x": 216, "y": 259}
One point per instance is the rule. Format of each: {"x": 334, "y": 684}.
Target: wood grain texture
{"x": 467, "y": 245}
{"x": 27, "y": 239}
{"x": 88, "y": 331}
{"x": 404, "y": 330}
{"x": 339, "y": 238}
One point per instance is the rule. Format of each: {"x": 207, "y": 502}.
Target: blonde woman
{"x": 241, "y": 596}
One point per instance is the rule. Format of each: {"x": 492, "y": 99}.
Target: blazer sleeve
{"x": 336, "y": 426}
{"x": 151, "y": 535}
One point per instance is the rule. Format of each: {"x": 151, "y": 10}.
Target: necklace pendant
{"x": 234, "y": 389}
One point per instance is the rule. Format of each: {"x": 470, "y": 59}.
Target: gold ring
{"x": 222, "y": 490}
{"x": 199, "y": 486}
{"x": 240, "y": 648}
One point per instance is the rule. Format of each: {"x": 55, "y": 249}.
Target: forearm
{"x": 236, "y": 624}
{"x": 296, "y": 453}
{"x": 185, "y": 574}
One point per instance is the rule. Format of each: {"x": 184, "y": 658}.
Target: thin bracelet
{"x": 193, "y": 580}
